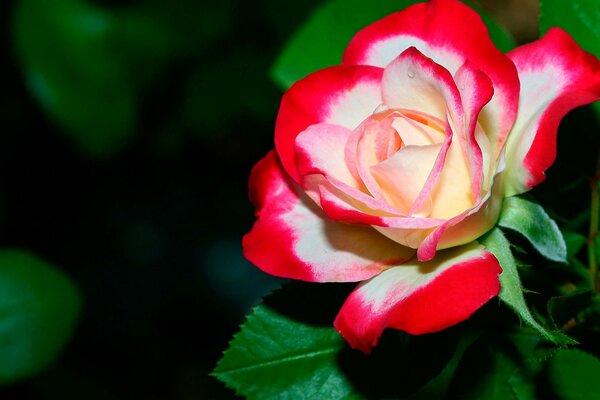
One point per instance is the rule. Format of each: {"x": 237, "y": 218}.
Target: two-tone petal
{"x": 292, "y": 237}
{"x": 341, "y": 95}
{"x": 426, "y": 26}
{"x": 419, "y": 297}
{"x": 556, "y": 76}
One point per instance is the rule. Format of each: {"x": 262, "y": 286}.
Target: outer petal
{"x": 556, "y": 76}
{"x": 432, "y": 28}
{"x": 420, "y": 297}
{"x": 292, "y": 237}
{"x": 340, "y": 95}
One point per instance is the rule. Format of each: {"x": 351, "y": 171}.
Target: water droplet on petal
{"x": 381, "y": 108}
{"x": 411, "y": 73}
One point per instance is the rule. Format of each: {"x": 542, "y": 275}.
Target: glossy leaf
{"x": 39, "y": 306}
{"x": 511, "y": 291}
{"x": 530, "y": 220}
{"x": 322, "y": 39}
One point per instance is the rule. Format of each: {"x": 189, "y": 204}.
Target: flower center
{"x": 401, "y": 157}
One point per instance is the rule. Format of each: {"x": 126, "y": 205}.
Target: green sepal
{"x": 511, "y": 291}
{"x": 530, "y": 220}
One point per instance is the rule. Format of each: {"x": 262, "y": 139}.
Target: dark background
{"x": 134, "y": 181}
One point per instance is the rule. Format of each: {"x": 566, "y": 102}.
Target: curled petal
{"x": 415, "y": 82}
{"x": 476, "y": 90}
{"x": 419, "y": 297}
{"x": 292, "y": 238}
{"x": 556, "y": 76}
{"x": 466, "y": 226}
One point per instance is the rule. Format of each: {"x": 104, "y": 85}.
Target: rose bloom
{"x": 388, "y": 167}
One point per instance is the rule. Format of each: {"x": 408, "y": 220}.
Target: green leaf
{"x": 276, "y": 357}
{"x": 523, "y": 381}
{"x": 486, "y": 368}
{"x": 581, "y": 18}
{"x": 322, "y": 39}
{"x": 511, "y": 291}
{"x": 288, "y": 349}
{"x": 437, "y": 388}
{"x": 564, "y": 308}
{"x": 574, "y": 242}
{"x": 38, "y": 309}
{"x": 573, "y": 375}
{"x": 530, "y": 220}
{"x": 74, "y": 72}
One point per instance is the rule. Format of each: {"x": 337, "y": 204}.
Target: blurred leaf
{"x": 574, "y": 242}
{"x": 322, "y": 39}
{"x": 38, "y": 309}
{"x": 500, "y": 36}
{"x": 523, "y": 381}
{"x": 511, "y": 291}
{"x": 208, "y": 108}
{"x": 438, "y": 386}
{"x": 564, "y": 308}
{"x": 573, "y": 375}
{"x": 191, "y": 26}
{"x": 232, "y": 278}
{"x": 485, "y": 370}
{"x": 277, "y": 357}
{"x": 70, "y": 69}
{"x": 530, "y": 220}
{"x": 581, "y": 18}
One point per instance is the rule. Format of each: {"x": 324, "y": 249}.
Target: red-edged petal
{"x": 320, "y": 150}
{"x": 340, "y": 95}
{"x": 431, "y": 27}
{"x": 293, "y": 238}
{"x": 556, "y": 76}
{"x": 340, "y": 206}
{"x": 476, "y": 91}
{"x": 420, "y": 298}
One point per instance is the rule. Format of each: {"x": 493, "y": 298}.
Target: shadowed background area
{"x": 128, "y": 132}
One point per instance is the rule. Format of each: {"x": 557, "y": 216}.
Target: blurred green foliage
{"x": 38, "y": 309}
{"x": 129, "y": 129}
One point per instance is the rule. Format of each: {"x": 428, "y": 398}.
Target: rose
{"x": 410, "y": 146}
